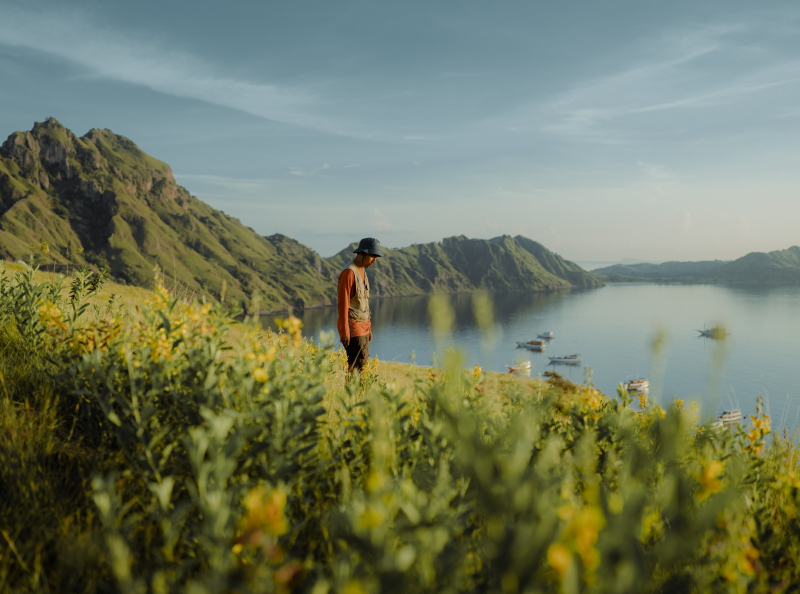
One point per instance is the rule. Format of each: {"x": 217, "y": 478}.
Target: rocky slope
{"x": 123, "y": 207}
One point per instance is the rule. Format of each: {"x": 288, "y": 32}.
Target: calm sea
{"x": 614, "y": 329}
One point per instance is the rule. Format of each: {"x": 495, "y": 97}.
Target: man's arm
{"x": 346, "y": 281}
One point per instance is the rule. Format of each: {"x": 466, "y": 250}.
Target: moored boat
{"x": 638, "y": 386}
{"x": 545, "y": 335}
{"x": 521, "y": 366}
{"x": 715, "y": 332}
{"x": 729, "y": 418}
{"x": 568, "y": 359}
{"x": 532, "y": 345}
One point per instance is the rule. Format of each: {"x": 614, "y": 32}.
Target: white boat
{"x": 638, "y": 386}
{"x": 531, "y": 343}
{"x": 545, "y": 335}
{"x": 731, "y": 417}
{"x": 569, "y": 359}
{"x": 521, "y": 366}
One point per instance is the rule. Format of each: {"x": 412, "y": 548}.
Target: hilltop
{"x": 124, "y": 208}
{"x": 777, "y": 267}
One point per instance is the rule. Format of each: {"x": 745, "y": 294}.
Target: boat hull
{"x": 572, "y": 360}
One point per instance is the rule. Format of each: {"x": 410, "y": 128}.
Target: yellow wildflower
{"x": 560, "y": 558}
{"x": 709, "y": 479}
{"x": 476, "y": 373}
{"x": 265, "y": 511}
{"x": 260, "y": 375}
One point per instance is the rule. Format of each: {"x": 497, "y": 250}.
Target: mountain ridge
{"x": 100, "y": 191}
{"x": 775, "y": 267}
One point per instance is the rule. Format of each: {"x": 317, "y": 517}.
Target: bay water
{"x": 622, "y": 331}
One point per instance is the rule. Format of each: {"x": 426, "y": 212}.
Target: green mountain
{"x": 778, "y": 267}
{"x": 123, "y": 207}
{"x": 461, "y": 264}
{"x": 101, "y": 192}
{"x": 665, "y": 271}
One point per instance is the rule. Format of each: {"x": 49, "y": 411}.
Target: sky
{"x": 611, "y": 130}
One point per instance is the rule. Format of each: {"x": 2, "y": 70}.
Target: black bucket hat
{"x": 369, "y": 245}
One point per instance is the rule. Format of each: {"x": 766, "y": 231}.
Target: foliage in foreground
{"x": 145, "y": 450}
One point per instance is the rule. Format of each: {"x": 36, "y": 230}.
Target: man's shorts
{"x": 357, "y": 352}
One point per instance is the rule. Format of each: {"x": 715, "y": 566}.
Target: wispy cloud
{"x": 653, "y": 171}
{"x": 685, "y": 221}
{"x": 75, "y": 37}
{"x": 237, "y": 184}
{"x": 308, "y": 171}
{"x": 677, "y": 78}
{"x": 380, "y": 221}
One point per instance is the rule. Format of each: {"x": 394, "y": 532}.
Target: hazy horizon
{"x": 654, "y": 132}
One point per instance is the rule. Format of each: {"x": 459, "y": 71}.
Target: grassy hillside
{"x": 666, "y": 270}
{"x": 781, "y": 266}
{"x": 461, "y": 264}
{"x": 123, "y": 207}
{"x": 778, "y": 267}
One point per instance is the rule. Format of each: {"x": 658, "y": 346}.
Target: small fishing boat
{"x": 533, "y": 345}
{"x": 638, "y": 386}
{"x": 568, "y": 359}
{"x": 715, "y": 332}
{"x": 729, "y": 418}
{"x": 545, "y": 335}
{"x": 521, "y": 366}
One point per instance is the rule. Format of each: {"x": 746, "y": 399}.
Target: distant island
{"x": 124, "y": 209}
{"x": 778, "y": 267}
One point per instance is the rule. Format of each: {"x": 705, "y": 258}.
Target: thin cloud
{"x": 380, "y": 221}
{"x": 308, "y": 172}
{"x": 653, "y": 171}
{"x": 74, "y": 36}
{"x": 595, "y": 110}
{"x": 685, "y": 221}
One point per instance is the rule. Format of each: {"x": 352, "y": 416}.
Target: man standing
{"x": 355, "y": 328}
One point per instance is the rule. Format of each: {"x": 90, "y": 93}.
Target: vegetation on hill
{"x": 147, "y": 450}
{"x": 778, "y": 267}
{"x": 100, "y": 192}
{"x": 665, "y": 270}
{"x": 461, "y": 264}
{"x": 99, "y": 200}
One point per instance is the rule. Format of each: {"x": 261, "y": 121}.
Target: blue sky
{"x": 605, "y": 130}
